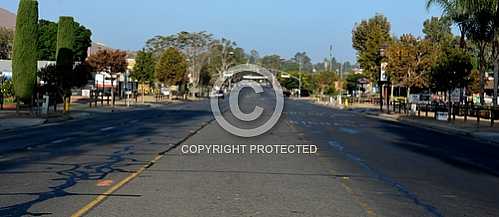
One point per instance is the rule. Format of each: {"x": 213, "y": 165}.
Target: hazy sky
{"x": 282, "y": 27}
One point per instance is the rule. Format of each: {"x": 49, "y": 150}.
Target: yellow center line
{"x": 99, "y": 199}
{"x": 113, "y": 189}
{"x": 357, "y": 197}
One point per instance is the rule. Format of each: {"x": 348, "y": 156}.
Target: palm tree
{"x": 454, "y": 10}
{"x": 484, "y": 25}
{"x": 477, "y": 21}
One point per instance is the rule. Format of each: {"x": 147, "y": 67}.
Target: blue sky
{"x": 282, "y": 27}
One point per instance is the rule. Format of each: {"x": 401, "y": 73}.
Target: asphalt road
{"x": 364, "y": 167}
{"x": 71, "y": 163}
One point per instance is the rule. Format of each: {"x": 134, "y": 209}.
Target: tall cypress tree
{"x": 65, "y": 53}
{"x": 24, "y": 59}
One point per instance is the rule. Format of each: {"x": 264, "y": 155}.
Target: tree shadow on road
{"x": 95, "y": 155}
{"x": 454, "y": 150}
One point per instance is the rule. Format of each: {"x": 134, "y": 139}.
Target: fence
{"x": 465, "y": 111}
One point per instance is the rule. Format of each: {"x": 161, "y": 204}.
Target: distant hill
{"x": 7, "y": 19}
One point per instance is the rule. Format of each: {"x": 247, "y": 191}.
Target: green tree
{"x": 304, "y": 62}
{"x": 6, "y": 42}
{"x": 325, "y": 82}
{"x": 48, "y": 41}
{"x": 438, "y": 30}
{"x": 171, "y": 68}
{"x": 65, "y": 55}
{"x": 481, "y": 31}
{"x": 451, "y": 71}
{"x": 368, "y": 38}
{"x": 352, "y": 82}
{"x": 307, "y": 81}
{"x": 24, "y": 61}
{"x": 194, "y": 45}
{"x": 272, "y": 62}
{"x": 409, "y": 62}
{"x": 82, "y": 42}
{"x": 289, "y": 66}
{"x": 477, "y": 20}
{"x": 456, "y": 11}
{"x": 484, "y": 28}
{"x": 143, "y": 71}
{"x": 53, "y": 79}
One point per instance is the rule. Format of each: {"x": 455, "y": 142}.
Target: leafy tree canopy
{"x": 368, "y": 38}
{"x": 143, "y": 70}
{"x": 108, "y": 61}
{"x": 48, "y": 41}
{"x": 171, "y": 68}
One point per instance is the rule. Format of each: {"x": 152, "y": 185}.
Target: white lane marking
{"x": 336, "y": 145}
{"x": 107, "y": 129}
{"x": 59, "y": 141}
{"x": 348, "y": 130}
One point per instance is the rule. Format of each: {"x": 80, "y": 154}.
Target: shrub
{"x": 24, "y": 61}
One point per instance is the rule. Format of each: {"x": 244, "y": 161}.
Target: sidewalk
{"x": 470, "y": 128}
{"x": 9, "y": 120}
{"x": 482, "y": 132}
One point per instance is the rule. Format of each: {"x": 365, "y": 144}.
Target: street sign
{"x": 383, "y": 76}
{"x": 442, "y": 116}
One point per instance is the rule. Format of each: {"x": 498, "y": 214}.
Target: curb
{"x": 438, "y": 129}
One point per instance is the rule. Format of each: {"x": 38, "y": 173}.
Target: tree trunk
{"x": 408, "y": 94}
{"x": 496, "y": 69}
{"x": 482, "y": 75}
{"x": 496, "y": 80}
{"x": 391, "y": 91}
{"x": 449, "y": 102}
{"x": 143, "y": 93}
